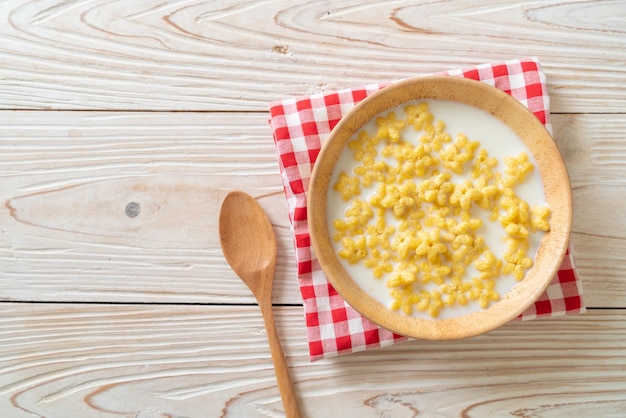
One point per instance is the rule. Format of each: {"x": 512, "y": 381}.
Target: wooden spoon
{"x": 249, "y": 246}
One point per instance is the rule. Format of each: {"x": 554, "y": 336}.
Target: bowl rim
{"x": 532, "y": 132}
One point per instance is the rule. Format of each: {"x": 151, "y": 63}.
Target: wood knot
{"x": 281, "y": 49}
{"x": 132, "y": 209}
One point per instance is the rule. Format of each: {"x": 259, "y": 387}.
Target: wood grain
{"x": 173, "y": 361}
{"x": 238, "y": 55}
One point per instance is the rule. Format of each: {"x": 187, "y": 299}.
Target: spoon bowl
{"x": 247, "y": 240}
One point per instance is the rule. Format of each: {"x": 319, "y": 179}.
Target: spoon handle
{"x": 285, "y": 386}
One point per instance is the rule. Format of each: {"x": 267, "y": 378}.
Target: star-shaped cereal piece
{"x": 438, "y": 217}
{"x": 464, "y": 195}
{"x": 456, "y": 292}
{"x": 516, "y": 211}
{"x": 371, "y": 171}
{"x": 348, "y": 186}
{"x": 364, "y": 146}
{"x": 484, "y": 292}
{"x": 379, "y": 233}
{"x": 405, "y": 242}
{"x": 483, "y": 165}
{"x": 401, "y": 200}
{"x": 403, "y": 274}
{"x": 468, "y": 253}
{"x": 462, "y": 232}
{"x": 379, "y": 262}
{"x": 436, "y": 189}
{"x": 347, "y": 228}
{"x": 517, "y": 168}
{"x": 418, "y": 116}
{"x": 514, "y": 230}
{"x": 353, "y": 250}
{"x": 434, "y": 273}
{"x": 516, "y": 262}
{"x": 488, "y": 265}
{"x": 430, "y": 302}
{"x": 490, "y": 193}
{"x": 452, "y": 159}
{"x": 406, "y": 299}
{"x": 376, "y": 198}
{"x": 430, "y": 246}
{"x": 435, "y": 136}
{"x": 468, "y": 146}
{"x": 425, "y": 164}
{"x": 360, "y": 211}
{"x": 454, "y": 155}
{"x": 389, "y": 127}
{"x": 412, "y": 221}
{"x": 540, "y": 218}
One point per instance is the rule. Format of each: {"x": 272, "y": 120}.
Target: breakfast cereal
{"x": 430, "y": 221}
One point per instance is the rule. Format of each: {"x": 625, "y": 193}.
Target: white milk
{"x": 494, "y": 136}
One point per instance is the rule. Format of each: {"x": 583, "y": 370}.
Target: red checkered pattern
{"x": 301, "y": 125}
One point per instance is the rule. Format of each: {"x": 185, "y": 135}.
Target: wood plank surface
{"x": 206, "y": 361}
{"x": 123, "y": 124}
{"x": 238, "y": 55}
{"x": 67, "y": 177}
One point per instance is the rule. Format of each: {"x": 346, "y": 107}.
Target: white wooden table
{"x": 106, "y": 312}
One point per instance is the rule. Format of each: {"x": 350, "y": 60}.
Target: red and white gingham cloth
{"x": 300, "y": 127}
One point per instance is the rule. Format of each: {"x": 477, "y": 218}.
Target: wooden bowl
{"x": 551, "y": 167}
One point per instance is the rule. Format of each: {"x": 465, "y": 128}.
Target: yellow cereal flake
{"x": 489, "y": 192}
{"x": 413, "y": 221}
{"x": 483, "y": 165}
{"x": 431, "y": 303}
{"x": 418, "y": 116}
{"x": 345, "y": 228}
{"x": 372, "y": 171}
{"x": 347, "y": 186}
{"x": 436, "y": 189}
{"x": 488, "y": 265}
{"x": 516, "y": 262}
{"x": 364, "y": 146}
{"x": 435, "y": 137}
{"x": 389, "y": 128}
{"x": 378, "y": 261}
{"x": 518, "y": 166}
{"x": 353, "y": 249}
{"x": 378, "y": 234}
{"x": 404, "y": 274}
{"x": 539, "y": 219}
{"x": 516, "y": 211}
{"x": 467, "y": 253}
{"x": 516, "y": 230}
{"x": 430, "y": 246}
{"x": 405, "y": 243}
{"x": 434, "y": 272}
{"x": 465, "y": 194}
{"x": 359, "y": 212}
{"x": 456, "y": 292}
{"x": 483, "y": 291}
{"x": 417, "y": 230}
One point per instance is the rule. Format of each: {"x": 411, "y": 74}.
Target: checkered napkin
{"x": 300, "y": 127}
